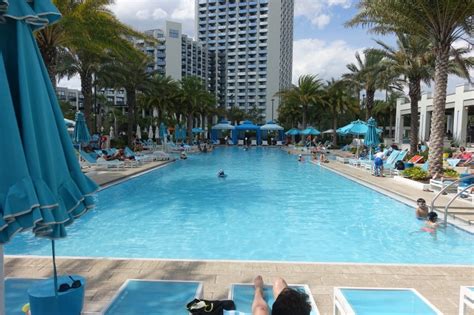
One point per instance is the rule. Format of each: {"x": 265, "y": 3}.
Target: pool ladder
{"x": 447, "y": 208}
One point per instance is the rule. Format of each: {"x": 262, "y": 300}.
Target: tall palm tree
{"x": 305, "y": 95}
{"x": 161, "y": 95}
{"x": 128, "y": 72}
{"x": 87, "y": 31}
{"x": 367, "y": 73}
{"x": 441, "y": 23}
{"x": 339, "y": 100}
{"x": 192, "y": 95}
{"x": 414, "y": 60}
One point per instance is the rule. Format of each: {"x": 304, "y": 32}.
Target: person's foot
{"x": 258, "y": 283}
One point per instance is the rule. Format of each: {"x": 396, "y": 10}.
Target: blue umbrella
{"x": 292, "y": 132}
{"x": 310, "y": 131}
{"x": 44, "y": 189}
{"x": 371, "y": 137}
{"x": 163, "y": 132}
{"x": 81, "y": 133}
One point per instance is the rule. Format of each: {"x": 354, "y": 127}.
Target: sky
{"x": 322, "y": 45}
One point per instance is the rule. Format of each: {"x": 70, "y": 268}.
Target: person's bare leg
{"x": 259, "y": 306}
{"x": 278, "y": 286}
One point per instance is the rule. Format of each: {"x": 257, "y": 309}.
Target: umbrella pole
{"x": 54, "y": 269}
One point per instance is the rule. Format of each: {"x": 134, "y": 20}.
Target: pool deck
{"x": 438, "y": 283}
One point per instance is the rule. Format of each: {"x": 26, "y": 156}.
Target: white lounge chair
{"x": 100, "y": 162}
{"x": 254, "y": 142}
{"x": 264, "y": 142}
{"x": 351, "y": 301}
{"x": 279, "y": 142}
{"x": 240, "y": 142}
{"x": 466, "y": 299}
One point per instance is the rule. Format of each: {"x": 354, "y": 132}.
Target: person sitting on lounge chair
{"x": 466, "y": 157}
{"x": 287, "y": 300}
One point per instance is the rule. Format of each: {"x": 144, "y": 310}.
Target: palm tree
{"x": 87, "y": 31}
{"x": 161, "y": 95}
{"x": 413, "y": 59}
{"x": 128, "y": 72}
{"x": 305, "y": 95}
{"x": 367, "y": 73}
{"x": 192, "y": 94}
{"x": 441, "y": 23}
{"x": 339, "y": 100}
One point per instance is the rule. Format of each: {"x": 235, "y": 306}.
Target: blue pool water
{"x": 270, "y": 207}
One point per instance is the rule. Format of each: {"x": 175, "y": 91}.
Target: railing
{"x": 458, "y": 194}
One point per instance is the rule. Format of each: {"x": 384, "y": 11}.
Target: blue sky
{"x": 322, "y": 45}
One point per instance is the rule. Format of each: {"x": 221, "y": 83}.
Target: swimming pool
{"x": 270, "y": 207}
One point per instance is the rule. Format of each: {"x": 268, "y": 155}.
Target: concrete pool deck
{"x": 440, "y": 284}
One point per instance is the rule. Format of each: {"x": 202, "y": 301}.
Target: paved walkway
{"x": 439, "y": 284}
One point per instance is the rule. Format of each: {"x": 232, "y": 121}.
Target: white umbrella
{"x": 328, "y": 131}
{"x": 157, "y": 133}
{"x": 111, "y": 133}
{"x": 150, "y": 132}
{"x": 139, "y": 132}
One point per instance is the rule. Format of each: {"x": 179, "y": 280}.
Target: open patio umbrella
{"x": 310, "y": 131}
{"x": 292, "y": 132}
{"x": 44, "y": 189}
{"x": 139, "y": 132}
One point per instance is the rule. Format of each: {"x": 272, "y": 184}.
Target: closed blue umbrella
{"x": 372, "y": 137}
{"x": 44, "y": 189}
{"x": 81, "y": 133}
{"x": 163, "y": 130}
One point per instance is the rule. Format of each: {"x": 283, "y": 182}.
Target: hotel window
{"x": 174, "y": 33}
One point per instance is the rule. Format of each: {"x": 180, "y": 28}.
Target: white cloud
{"x": 318, "y": 12}
{"x": 326, "y": 59}
{"x": 150, "y": 14}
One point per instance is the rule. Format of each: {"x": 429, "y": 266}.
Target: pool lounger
{"x": 360, "y": 301}
{"x": 16, "y": 294}
{"x": 242, "y": 295}
{"x": 159, "y": 297}
{"x": 466, "y": 300}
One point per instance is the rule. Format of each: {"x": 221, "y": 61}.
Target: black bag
{"x": 399, "y": 165}
{"x": 206, "y": 307}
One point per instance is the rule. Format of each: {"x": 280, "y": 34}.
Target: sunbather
{"x": 466, "y": 157}
{"x": 287, "y": 301}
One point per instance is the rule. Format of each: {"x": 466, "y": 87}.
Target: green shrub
{"x": 415, "y": 173}
{"x": 450, "y": 173}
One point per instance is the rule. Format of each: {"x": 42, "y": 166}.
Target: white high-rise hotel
{"x": 254, "y": 42}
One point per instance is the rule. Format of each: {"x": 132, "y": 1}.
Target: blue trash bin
{"x": 43, "y": 300}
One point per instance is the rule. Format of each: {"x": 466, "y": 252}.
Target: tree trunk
{"x": 369, "y": 104}
{"x": 334, "y": 127}
{"x": 435, "y": 157}
{"x": 304, "y": 116}
{"x": 190, "y": 119}
{"x": 49, "y": 54}
{"x": 86, "y": 89}
{"x": 390, "y": 122}
{"x": 414, "y": 93}
{"x": 131, "y": 104}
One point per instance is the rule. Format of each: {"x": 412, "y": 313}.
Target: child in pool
{"x": 431, "y": 223}
{"x": 422, "y": 209}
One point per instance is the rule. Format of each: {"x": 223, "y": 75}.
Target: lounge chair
{"x": 153, "y": 297}
{"x": 466, "y": 299}
{"x": 390, "y": 165}
{"x": 342, "y": 159}
{"x": 279, "y": 142}
{"x": 351, "y": 301}
{"x": 264, "y": 142}
{"x": 100, "y": 162}
{"x": 240, "y": 142}
{"x": 416, "y": 159}
{"x": 253, "y": 142}
{"x": 16, "y": 294}
{"x": 453, "y": 162}
{"x": 242, "y": 295}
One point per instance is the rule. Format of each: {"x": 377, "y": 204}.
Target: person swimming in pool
{"x": 221, "y": 173}
{"x": 431, "y": 223}
{"x": 300, "y": 158}
{"x": 422, "y": 210}
{"x": 287, "y": 301}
